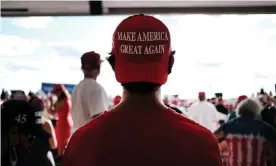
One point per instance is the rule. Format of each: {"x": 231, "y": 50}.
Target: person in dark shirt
{"x": 26, "y": 142}
{"x": 268, "y": 114}
{"x": 221, "y": 108}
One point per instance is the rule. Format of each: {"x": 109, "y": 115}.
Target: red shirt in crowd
{"x": 142, "y": 138}
{"x": 64, "y": 124}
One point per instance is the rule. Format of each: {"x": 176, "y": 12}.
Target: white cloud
{"x": 81, "y": 46}
{"x": 271, "y": 32}
{"x": 14, "y": 45}
{"x": 227, "y": 39}
{"x": 32, "y": 22}
{"x": 35, "y": 64}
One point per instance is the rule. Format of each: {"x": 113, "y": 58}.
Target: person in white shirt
{"x": 89, "y": 98}
{"x": 204, "y": 113}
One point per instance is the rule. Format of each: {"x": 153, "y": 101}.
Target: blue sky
{"x": 232, "y": 54}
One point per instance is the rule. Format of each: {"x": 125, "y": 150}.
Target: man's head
{"x": 213, "y": 100}
{"x": 201, "y": 96}
{"x": 249, "y": 107}
{"x": 31, "y": 96}
{"x": 18, "y": 95}
{"x": 141, "y": 54}
{"x": 91, "y": 64}
{"x": 4, "y": 95}
{"x": 264, "y": 100}
{"x": 220, "y": 101}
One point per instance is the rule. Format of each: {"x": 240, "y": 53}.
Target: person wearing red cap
{"x": 204, "y": 112}
{"x": 89, "y": 98}
{"x": 233, "y": 114}
{"x": 117, "y": 100}
{"x": 141, "y": 130}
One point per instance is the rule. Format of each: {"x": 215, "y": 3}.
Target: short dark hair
{"x": 91, "y": 68}
{"x": 4, "y": 95}
{"x": 141, "y": 88}
{"x": 31, "y": 94}
{"x": 201, "y": 98}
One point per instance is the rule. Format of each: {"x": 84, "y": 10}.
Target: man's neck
{"x": 90, "y": 77}
{"x": 148, "y": 101}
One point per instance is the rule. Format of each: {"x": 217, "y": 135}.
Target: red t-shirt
{"x": 128, "y": 138}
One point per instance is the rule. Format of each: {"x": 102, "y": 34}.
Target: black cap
{"x": 22, "y": 114}
{"x": 17, "y": 112}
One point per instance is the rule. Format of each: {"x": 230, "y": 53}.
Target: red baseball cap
{"x": 241, "y": 98}
{"x": 175, "y": 102}
{"x": 201, "y": 94}
{"x": 116, "y": 100}
{"x": 90, "y": 60}
{"x": 141, "y": 46}
{"x": 57, "y": 88}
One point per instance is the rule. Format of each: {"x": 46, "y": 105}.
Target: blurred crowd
{"x": 138, "y": 127}
{"x": 56, "y": 113}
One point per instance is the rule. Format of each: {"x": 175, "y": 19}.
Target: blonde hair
{"x": 249, "y": 106}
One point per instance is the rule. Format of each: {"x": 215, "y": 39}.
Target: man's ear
{"x": 172, "y": 53}
{"x": 111, "y": 60}
{"x": 171, "y": 62}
